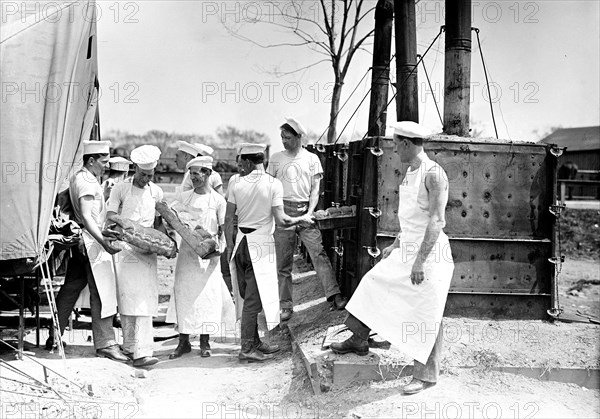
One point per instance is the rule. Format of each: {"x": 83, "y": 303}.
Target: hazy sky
{"x": 172, "y": 66}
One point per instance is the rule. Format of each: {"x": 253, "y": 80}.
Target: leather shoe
{"x": 145, "y": 361}
{"x": 112, "y": 352}
{"x": 286, "y": 314}
{"x": 254, "y": 355}
{"x": 50, "y": 344}
{"x": 204, "y": 346}
{"x": 416, "y": 386}
{"x": 265, "y": 348}
{"x": 183, "y": 347}
{"x": 339, "y": 302}
{"x": 352, "y": 344}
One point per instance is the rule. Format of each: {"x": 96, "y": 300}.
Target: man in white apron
{"x": 119, "y": 168}
{"x": 91, "y": 262}
{"x": 200, "y": 302}
{"x": 137, "y": 281}
{"x": 403, "y": 297}
{"x": 300, "y": 172}
{"x": 257, "y": 198}
{"x": 185, "y": 153}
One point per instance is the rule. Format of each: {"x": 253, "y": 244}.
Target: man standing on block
{"x": 403, "y": 297}
{"x": 91, "y": 262}
{"x": 300, "y": 173}
{"x": 257, "y": 198}
{"x": 137, "y": 278}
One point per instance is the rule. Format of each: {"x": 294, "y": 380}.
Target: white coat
{"x": 408, "y": 315}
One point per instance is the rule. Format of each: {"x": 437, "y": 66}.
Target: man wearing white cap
{"x": 134, "y": 199}
{"x": 300, "y": 173}
{"x": 91, "y": 263}
{"x": 403, "y": 297}
{"x": 257, "y": 198}
{"x": 119, "y": 167}
{"x": 200, "y": 303}
{"x": 185, "y": 153}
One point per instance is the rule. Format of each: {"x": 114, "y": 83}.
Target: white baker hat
{"x": 96, "y": 147}
{"x": 251, "y": 148}
{"x": 119, "y": 163}
{"x": 145, "y": 156}
{"x": 205, "y": 150}
{"x": 411, "y": 129}
{"x": 296, "y": 125}
{"x": 187, "y": 148}
{"x": 202, "y": 161}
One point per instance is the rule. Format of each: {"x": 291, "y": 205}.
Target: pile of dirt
{"x": 580, "y": 234}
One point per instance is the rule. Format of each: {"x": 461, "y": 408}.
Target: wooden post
{"x": 457, "y": 76}
{"x": 407, "y": 100}
{"x": 384, "y": 19}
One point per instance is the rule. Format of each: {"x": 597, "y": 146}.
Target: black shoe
{"x": 249, "y": 353}
{"x": 145, "y": 361}
{"x": 50, "y": 344}
{"x": 183, "y": 347}
{"x": 204, "y": 346}
{"x": 112, "y": 352}
{"x": 339, "y": 302}
{"x": 352, "y": 344}
{"x": 286, "y": 314}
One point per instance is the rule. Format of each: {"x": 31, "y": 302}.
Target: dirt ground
{"x": 221, "y": 387}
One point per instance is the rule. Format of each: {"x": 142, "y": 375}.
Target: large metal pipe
{"x": 407, "y": 101}
{"x": 384, "y": 19}
{"x": 457, "y": 75}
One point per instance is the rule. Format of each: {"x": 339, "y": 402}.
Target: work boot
{"x": 339, "y": 302}
{"x": 204, "y": 346}
{"x": 352, "y": 344}
{"x": 416, "y": 386}
{"x": 250, "y": 354}
{"x": 286, "y": 314}
{"x": 183, "y": 347}
{"x": 263, "y": 347}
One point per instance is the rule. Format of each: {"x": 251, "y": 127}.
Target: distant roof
{"x": 575, "y": 139}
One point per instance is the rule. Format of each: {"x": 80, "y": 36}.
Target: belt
{"x": 295, "y": 204}
{"x": 246, "y": 230}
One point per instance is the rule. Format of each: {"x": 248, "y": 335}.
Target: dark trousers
{"x": 248, "y": 291}
{"x": 79, "y": 274}
{"x": 425, "y": 372}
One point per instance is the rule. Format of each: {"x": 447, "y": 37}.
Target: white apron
{"x": 200, "y": 302}
{"x": 407, "y": 315}
{"x": 261, "y": 247}
{"x": 137, "y": 279}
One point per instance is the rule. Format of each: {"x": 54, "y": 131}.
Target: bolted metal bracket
{"x": 375, "y": 212}
{"x": 376, "y": 151}
{"x": 556, "y": 151}
{"x": 339, "y": 250}
{"x": 554, "y": 312}
{"x": 374, "y": 252}
{"x": 557, "y": 208}
{"x": 342, "y": 155}
{"x": 320, "y": 148}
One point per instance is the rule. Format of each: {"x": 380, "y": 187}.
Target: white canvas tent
{"x": 49, "y": 105}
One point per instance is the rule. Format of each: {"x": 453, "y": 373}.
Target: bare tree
{"x": 333, "y": 29}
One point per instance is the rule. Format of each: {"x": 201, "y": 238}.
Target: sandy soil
{"x": 220, "y": 386}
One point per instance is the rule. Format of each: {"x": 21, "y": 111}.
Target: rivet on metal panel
{"x": 556, "y": 151}
{"x": 343, "y": 156}
{"x": 486, "y": 214}
{"x": 464, "y": 213}
{"x": 376, "y": 151}
{"x": 374, "y": 252}
{"x": 374, "y": 211}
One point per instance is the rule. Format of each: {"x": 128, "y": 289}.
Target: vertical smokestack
{"x": 407, "y": 101}
{"x": 384, "y": 19}
{"x": 457, "y": 76}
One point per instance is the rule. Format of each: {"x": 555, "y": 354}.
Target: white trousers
{"x": 138, "y": 336}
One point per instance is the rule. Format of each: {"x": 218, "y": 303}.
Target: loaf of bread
{"x": 146, "y": 239}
